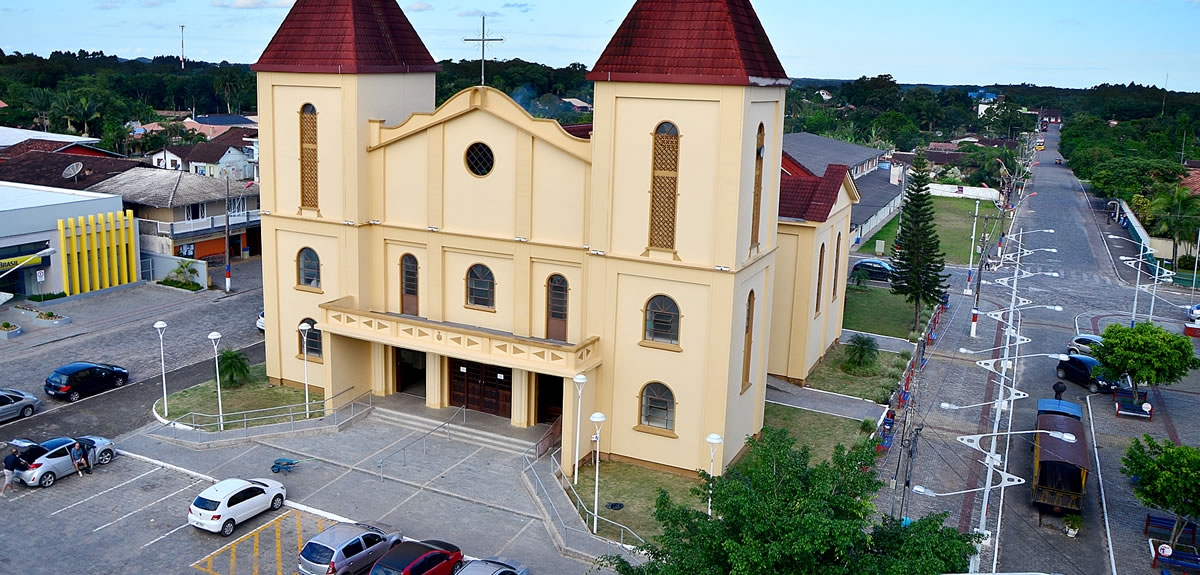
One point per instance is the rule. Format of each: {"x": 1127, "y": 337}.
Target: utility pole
{"x": 181, "y": 58}
{"x": 971, "y": 257}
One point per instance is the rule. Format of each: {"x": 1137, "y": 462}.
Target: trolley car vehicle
{"x": 1060, "y": 469}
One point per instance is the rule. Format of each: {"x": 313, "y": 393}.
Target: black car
{"x": 1078, "y": 369}
{"x": 876, "y": 269}
{"x": 75, "y": 380}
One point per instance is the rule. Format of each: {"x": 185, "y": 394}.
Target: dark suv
{"x": 1078, "y": 369}
{"x": 81, "y": 378}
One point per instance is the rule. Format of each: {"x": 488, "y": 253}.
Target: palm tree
{"x": 1176, "y": 214}
{"x": 235, "y": 367}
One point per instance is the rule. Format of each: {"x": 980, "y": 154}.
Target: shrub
{"x": 6, "y": 326}
{"x": 48, "y": 315}
{"x": 47, "y": 296}
{"x": 862, "y": 351}
{"x": 1185, "y": 263}
{"x": 868, "y": 425}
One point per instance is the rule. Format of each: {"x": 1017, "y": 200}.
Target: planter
{"x": 9, "y": 334}
{"x": 35, "y": 314}
{"x": 1071, "y": 532}
{"x": 60, "y": 320}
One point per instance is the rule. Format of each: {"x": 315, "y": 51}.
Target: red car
{"x": 420, "y": 558}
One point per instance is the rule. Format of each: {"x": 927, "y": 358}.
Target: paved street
{"x": 1092, "y": 295}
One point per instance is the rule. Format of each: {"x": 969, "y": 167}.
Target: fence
{"x": 403, "y": 450}
{"x": 207, "y": 428}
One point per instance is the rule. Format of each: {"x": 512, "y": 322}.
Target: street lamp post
{"x": 1137, "y": 278}
{"x": 714, "y": 441}
{"x": 580, "y": 381}
{"x": 215, "y": 338}
{"x": 1006, "y": 480}
{"x": 161, "y": 326}
{"x": 304, "y": 327}
{"x": 598, "y": 419}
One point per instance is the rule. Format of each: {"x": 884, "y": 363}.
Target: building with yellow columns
{"x": 477, "y": 256}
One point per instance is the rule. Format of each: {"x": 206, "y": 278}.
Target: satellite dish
{"x": 72, "y": 170}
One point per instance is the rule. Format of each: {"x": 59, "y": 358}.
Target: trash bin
{"x": 945, "y": 301}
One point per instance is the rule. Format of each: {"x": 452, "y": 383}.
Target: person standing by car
{"x": 11, "y": 464}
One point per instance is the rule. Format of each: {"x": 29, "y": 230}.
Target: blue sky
{"x": 1068, "y": 43}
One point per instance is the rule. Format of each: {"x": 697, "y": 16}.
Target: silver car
{"x": 493, "y": 566}
{"x": 346, "y": 548}
{"x": 50, "y": 460}
{"x": 1083, "y": 344}
{"x": 17, "y": 403}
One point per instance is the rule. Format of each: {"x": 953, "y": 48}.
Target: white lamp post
{"x": 598, "y": 419}
{"x": 1137, "y": 278}
{"x": 304, "y": 327}
{"x": 714, "y": 441}
{"x": 580, "y": 381}
{"x": 161, "y": 326}
{"x": 215, "y": 338}
{"x": 1006, "y": 480}
{"x": 972, "y": 441}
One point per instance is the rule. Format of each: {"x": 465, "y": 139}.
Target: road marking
{"x": 435, "y": 478}
{"x": 160, "y": 500}
{"x": 500, "y": 551}
{"x": 164, "y": 536}
{"x": 81, "y": 502}
{"x": 1112, "y": 561}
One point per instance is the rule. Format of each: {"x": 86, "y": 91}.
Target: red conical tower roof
{"x": 691, "y": 42}
{"x": 346, "y": 37}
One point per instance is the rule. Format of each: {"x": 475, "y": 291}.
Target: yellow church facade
{"x": 474, "y": 255}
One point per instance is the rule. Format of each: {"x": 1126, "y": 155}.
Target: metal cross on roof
{"x": 483, "y": 40}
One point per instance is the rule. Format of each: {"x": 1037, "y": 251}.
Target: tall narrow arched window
{"x": 664, "y": 186}
{"x": 662, "y": 320}
{"x": 309, "y": 345}
{"x": 658, "y": 406}
{"x": 756, "y": 206}
{"x": 308, "y": 269}
{"x": 408, "y": 285}
{"x": 837, "y": 266}
{"x": 481, "y": 287}
{"x": 748, "y": 343}
{"x": 556, "y": 308}
{"x": 308, "y": 157}
{"x": 820, "y": 280}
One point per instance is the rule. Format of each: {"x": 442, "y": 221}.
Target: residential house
{"x": 818, "y": 152}
{"x": 227, "y": 155}
{"x": 578, "y": 105}
{"x": 184, "y": 214}
{"x": 14, "y": 136}
{"x": 38, "y": 144}
{"x": 213, "y": 125}
{"x": 172, "y": 157}
{"x": 50, "y": 169}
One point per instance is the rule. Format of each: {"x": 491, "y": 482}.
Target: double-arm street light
{"x": 1006, "y": 480}
{"x": 972, "y": 441}
{"x": 1136, "y": 264}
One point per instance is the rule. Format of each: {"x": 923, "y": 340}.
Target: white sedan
{"x": 224, "y": 505}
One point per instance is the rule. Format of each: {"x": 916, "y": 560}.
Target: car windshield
{"x": 314, "y": 552}
{"x": 385, "y": 570}
{"x": 206, "y": 504}
{"x": 57, "y": 378}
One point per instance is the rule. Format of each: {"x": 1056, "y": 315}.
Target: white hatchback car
{"x": 224, "y": 505}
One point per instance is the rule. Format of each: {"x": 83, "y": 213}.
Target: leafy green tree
{"x": 1176, "y": 214}
{"x": 1147, "y": 353}
{"x": 1124, "y": 177}
{"x": 921, "y": 105}
{"x": 1167, "y": 478}
{"x": 898, "y": 129}
{"x": 235, "y": 367}
{"x": 917, "y": 252}
{"x": 775, "y": 512}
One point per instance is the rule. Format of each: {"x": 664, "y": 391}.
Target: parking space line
{"x": 206, "y": 564}
{"x": 81, "y": 502}
{"x": 164, "y": 536}
{"x": 232, "y": 459}
{"x": 520, "y": 532}
{"x": 155, "y": 502}
{"x": 435, "y": 478}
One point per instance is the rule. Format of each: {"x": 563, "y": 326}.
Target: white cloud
{"x": 522, "y": 7}
{"x": 418, "y": 7}
{"x": 252, "y": 4}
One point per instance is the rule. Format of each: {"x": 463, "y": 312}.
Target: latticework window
{"x": 758, "y": 172}
{"x": 664, "y": 186}
{"x": 658, "y": 406}
{"x": 662, "y": 320}
{"x": 481, "y": 287}
{"x": 480, "y": 159}
{"x": 308, "y": 157}
{"x": 408, "y": 285}
{"x": 748, "y": 343}
{"x": 556, "y": 308}
{"x": 308, "y": 269}
{"x": 820, "y": 279}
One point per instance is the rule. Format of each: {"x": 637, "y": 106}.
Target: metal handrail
{"x": 294, "y": 411}
{"x": 422, "y": 439}
{"x": 581, "y": 505}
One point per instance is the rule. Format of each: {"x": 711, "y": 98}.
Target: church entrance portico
{"x": 481, "y": 387}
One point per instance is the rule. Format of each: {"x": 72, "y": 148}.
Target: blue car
{"x": 876, "y": 269}
{"x": 75, "y": 380}
{"x": 1078, "y": 369}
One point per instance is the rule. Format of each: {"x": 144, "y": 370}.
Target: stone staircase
{"x": 458, "y": 431}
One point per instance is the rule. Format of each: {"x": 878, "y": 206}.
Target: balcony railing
{"x": 170, "y": 229}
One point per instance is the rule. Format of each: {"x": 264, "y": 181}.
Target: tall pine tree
{"x": 917, "y": 252}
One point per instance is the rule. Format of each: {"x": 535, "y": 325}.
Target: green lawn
{"x": 636, "y": 487}
{"x": 878, "y": 310}
{"x": 828, "y": 376}
{"x": 257, "y": 394}
{"x": 953, "y": 219}
{"x": 818, "y": 431}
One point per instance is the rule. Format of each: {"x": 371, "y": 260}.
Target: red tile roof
{"x": 691, "y": 42}
{"x": 1192, "y": 181}
{"x": 346, "y": 37}
{"x": 35, "y": 144}
{"x": 579, "y": 130}
{"x": 46, "y": 169}
{"x": 808, "y": 198}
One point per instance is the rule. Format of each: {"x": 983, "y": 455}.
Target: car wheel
{"x": 227, "y": 528}
{"x": 47, "y": 480}
{"x": 120, "y": 381}
{"x": 73, "y": 396}
{"x": 1062, "y": 373}
{"x": 28, "y": 411}
{"x": 277, "y": 502}
{"x": 1093, "y": 388}
{"x": 1072, "y": 351}
{"x": 105, "y": 457}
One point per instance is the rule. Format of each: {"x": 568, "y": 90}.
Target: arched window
{"x": 308, "y": 157}
{"x": 308, "y": 269}
{"x": 658, "y": 406}
{"x": 756, "y": 206}
{"x": 662, "y": 320}
{"x": 837, "y": 267}
{"x": 664, "y": 183}
{"x": 309, "y": 345}
{"x": 820, "y": 280}
{"x": 748, "y": 343}
{"x": 556, "y": 308}
{"x": 481, "y": 287}
{"x": 408, "y": 285}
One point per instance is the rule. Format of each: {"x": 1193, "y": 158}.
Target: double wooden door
{"x": 481, "y": 387}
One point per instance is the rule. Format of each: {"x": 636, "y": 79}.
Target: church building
{"x": 474, "y": 255}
